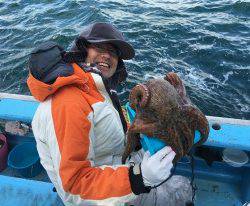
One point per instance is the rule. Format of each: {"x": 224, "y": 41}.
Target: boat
{"x": 221, "y": 167}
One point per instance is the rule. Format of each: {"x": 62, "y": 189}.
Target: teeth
{"x": 103, "y": 64}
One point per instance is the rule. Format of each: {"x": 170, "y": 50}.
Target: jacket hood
{"x": 40, "y": 90}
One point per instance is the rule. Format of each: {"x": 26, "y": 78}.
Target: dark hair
{"x": 119, "y": 76}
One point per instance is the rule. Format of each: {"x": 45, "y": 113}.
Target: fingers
{"x": 162, "y": 153}
{"x": 168, "y": 158}
{"x": 156, "y": 168}
{"x": 146, "y": 155}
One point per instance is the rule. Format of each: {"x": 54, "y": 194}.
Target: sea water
{"x": 206, "y": 42}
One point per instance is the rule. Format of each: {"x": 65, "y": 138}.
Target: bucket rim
{"x": 9, "y": 162}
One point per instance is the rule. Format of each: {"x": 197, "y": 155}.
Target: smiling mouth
{"x": 103, "y": 65}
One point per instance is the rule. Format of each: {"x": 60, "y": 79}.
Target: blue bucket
{"x": 25, "y": 159}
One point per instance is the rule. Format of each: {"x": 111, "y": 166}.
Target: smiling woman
{"x": 104, "y": 56}
{"x": 84, "y": 113}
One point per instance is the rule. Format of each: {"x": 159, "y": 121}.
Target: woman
{"x": 79, "y": 126}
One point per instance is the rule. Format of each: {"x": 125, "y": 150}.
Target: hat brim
{"x": 127, "y": 51}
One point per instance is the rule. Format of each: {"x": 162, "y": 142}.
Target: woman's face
{"x": 105, "y": 56}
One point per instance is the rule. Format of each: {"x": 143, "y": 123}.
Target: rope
{"x": 194, "y": 187}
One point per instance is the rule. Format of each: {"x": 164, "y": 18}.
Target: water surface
{"x": 206, "y": 42}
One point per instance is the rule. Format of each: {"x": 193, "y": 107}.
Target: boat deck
{"x": 214, "y": 187}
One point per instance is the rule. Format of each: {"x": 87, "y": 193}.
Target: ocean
{"x": 206, "y": 42}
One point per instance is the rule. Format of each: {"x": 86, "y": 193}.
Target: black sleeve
{"x": 136, "y": 182}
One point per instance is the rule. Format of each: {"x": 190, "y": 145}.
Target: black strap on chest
{"x": 112, "y": 93}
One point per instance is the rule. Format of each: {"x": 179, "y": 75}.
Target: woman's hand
{"x": 156, "y": 168}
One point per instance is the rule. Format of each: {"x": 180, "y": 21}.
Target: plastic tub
{"x": 25, "y": 159}
{"x": 235, "y": 157}
{"x": 3, "y": 152}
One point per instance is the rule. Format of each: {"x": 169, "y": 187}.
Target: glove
{"x": 156, "y": 168}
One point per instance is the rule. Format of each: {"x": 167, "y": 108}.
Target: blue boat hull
{"x": 217, "y": 184}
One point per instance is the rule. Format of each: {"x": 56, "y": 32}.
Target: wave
{"x": 205, "y": 42}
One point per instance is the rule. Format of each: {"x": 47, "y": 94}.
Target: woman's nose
{"x": 106, "y": 54}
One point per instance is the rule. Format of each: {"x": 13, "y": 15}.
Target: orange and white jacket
{"x": 80, "y": 140}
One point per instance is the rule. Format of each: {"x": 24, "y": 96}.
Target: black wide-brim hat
{"x": 106, "y": 33}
